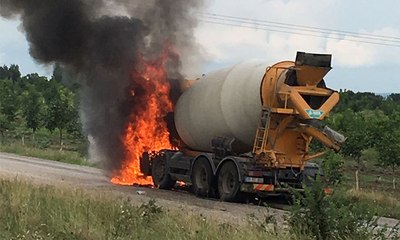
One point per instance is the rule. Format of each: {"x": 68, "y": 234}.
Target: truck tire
{"x": 228, "y": 182}
{"x": 161, "y": 177}
{"x": 202, "y": 177}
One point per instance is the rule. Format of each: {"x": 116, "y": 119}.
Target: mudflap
{"x": 145, "y": 164}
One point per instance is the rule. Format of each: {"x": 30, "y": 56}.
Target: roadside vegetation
{"x": 316, "y": 215}
{"x": 32, "y": 212}
{"x": 45, "y": 212}
{"x": 39, "y": 116}
{"x": 66, "y": 156}
{"x": 367, "y": 167}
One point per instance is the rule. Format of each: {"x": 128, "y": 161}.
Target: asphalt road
{"x": 40, "y": 171}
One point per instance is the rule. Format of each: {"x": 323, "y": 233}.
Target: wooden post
{"x": 61, "y": 139}
{"x": 357, "y": 181}
{"x": 394, "y": 178}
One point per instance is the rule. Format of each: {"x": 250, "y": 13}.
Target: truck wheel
{"x": 228, "y": 182}
{"x": 202, "y": 176}
{"x": 161, "y": 178}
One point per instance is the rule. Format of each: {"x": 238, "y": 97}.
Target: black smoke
{"x": 97, "y": 42}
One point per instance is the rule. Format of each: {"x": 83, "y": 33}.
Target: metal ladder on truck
{"x": 261, "y": 139}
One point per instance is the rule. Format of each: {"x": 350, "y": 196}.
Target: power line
{"x": 257, "y": 23}
{"x": 286, "y": 28}
{"x": 298, "y": 26}
{"x": 298, "y": 33}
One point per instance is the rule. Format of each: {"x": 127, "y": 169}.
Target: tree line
{"x": 32, "y": 102}
{"x": 371, "y": 124}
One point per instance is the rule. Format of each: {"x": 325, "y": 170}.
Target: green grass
{"x": 50, "y": 154}
{"x": 376, "y": 190}
{"x": 381, "y": 203}
{"x": 43, "y": 212}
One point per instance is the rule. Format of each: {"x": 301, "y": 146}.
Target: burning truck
{"x": 242, "y": 129}
{"x": 246, "y": 128}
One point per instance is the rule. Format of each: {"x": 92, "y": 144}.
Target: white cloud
{"x": 388, "y": 54}
{"x": 232, "y": 43}
{"x": 222, "y": 43}
{"x": 354, "y": 52}
{"x": 348, "y": 52}
{"x": 10, "y": 32}
{"x": 239, "y": 43}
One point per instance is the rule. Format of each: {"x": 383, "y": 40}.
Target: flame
{"x": 147, "y": 130}
{"x": 180, "y": 183}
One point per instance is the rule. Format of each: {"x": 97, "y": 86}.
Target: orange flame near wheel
{"x": 147, "y": 130}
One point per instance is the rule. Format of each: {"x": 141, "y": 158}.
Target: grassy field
{"x": 376, "y": 191}
{"x": 46, "y": 145}
{"x": 50, "y": 154}
{"x": 43, "y": 212}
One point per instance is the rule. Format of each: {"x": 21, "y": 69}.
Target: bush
{"x": 316, "y": 215}
{"x": 369, "y": 155}
{"x": 332, "y": 167}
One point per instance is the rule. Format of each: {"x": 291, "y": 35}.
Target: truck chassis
{"x": 226, "y": 177}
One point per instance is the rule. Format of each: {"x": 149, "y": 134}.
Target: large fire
{"x": 147, "y": 130}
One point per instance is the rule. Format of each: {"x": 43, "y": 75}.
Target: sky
{"x": 356, "y": 66}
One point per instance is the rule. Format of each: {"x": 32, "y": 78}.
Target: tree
{"x": 58, "y": 72}
{"x": 14, "y": 73}
{"x": 60, "y": 109}
{"x": 9, "y": 103}
{"x": 74, "y": 126}
{"x": 332, "y": 166}
{"x": 32, "y": 108}
{"x": 4, "y": 126}
{"x": 10, "y": 73}
{"x": 41, "y": 83}
{"x": 395, "y": 97}
{"x": 389, "y": 147}
{"x": 356, "y": 133}
{"x": 4, "y": 73}
{"x": 358, "y": 101}
{"x": 357, "y": 140}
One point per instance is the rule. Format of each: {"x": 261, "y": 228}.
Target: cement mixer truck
{"x": 248, "y": 129}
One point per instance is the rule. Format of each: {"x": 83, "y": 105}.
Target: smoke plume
{"x": 98, "y": 43}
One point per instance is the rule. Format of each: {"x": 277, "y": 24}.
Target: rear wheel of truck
{"x": 228, "y": 182}
{"x": 202, "y": 176}
{"x": 161, "y": 178}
